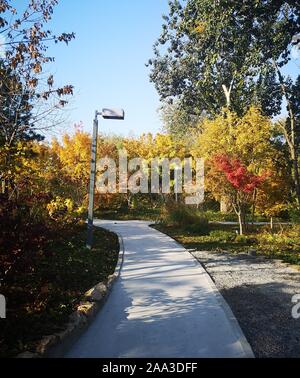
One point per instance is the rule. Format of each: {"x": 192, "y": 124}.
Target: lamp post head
{"x": 116, "y": 114}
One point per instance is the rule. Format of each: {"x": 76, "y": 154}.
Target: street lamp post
{"x": 115, "y": 114}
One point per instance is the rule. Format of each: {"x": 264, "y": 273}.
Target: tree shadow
{"x": 163, "y": 305}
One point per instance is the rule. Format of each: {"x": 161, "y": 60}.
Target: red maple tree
{"x": 242, "y": 181}
{"x": 237, "y": 174}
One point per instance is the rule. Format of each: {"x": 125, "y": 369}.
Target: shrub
{"x": 199, "y": 228}
{"x": 61, "y": 209}
{"x": 222, "y": 236}
{"x": 217, "y": 216}
{"x": 189, "y": 218}
{"x": 173, "y": 214}
{"x": 280, "y": 239}
{"x": 294, "y": 214}
{"x": 243, "y": 239}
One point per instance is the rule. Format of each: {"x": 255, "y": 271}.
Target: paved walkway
{"x": 163, "y": 305}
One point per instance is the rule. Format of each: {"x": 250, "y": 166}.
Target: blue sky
{"x": 106, "y": 61}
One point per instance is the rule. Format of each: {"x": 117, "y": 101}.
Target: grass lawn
{"x": 281, "y": 244}
{"x": 40, "y": 301}
{"x": 154, "y": 214}
{"x": 129, "y": 214}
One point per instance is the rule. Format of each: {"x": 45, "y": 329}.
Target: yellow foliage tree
{"x": 248, "y": 139}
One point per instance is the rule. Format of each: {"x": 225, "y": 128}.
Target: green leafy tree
{"x": 213, "y": 54}
{"x": 209, "y": 55}
{"x": 179, "y": 122}
{"x": 290, "y": 128}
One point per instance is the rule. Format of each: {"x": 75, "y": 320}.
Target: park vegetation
{"x": 220, "y": 70}
{"x": 44, "y": 265}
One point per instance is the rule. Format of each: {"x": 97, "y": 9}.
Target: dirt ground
{"x": 259, "y": 292}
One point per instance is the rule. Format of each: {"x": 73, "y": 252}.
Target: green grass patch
{"x": 283, "y": 244}
{"x": 217, "y": 216}
{"x": 129, "y": 214}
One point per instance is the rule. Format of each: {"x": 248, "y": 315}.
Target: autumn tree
{"x": 73, "y": 154}
{"x": 15, "y": 117}
{"x": 248, "y": 142}
{"x": 242, "y": 184}
{"x": 149, "y": 148}
{"x": 26, "y": 40}
{"x": 273, "y": 197}
{"x": 213, "y": 54}
{"x": 28, "y": 97}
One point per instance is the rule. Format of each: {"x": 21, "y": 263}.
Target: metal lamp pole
{"x": 112, "y": 114}
{"x": 92, "y": 183}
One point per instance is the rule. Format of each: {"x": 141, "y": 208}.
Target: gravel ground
{"x": 259, "y": 292}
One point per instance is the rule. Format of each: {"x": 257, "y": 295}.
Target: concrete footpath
{"x": 163, "y": 305}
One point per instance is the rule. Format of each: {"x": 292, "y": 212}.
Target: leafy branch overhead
{"x": 213, "y": 54}
{"x": 26, "y": 40}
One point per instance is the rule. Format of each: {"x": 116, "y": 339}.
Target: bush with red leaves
{"x": 237, "y": 174}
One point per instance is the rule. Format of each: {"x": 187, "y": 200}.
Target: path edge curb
{"x": 229, "y": 313}
{"x": 56, "y": 345}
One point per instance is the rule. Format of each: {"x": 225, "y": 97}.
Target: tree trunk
{"x": 241, "y": 224}
{"x": 293, "y": 146}
{"x": 3, "y": 186}
{"x": 227, "y": 96}
{"x": 224, "y": 205}
{"x": 296, "y": 174}
{"x": 272, "y": 224}
{"x": 228, "y": 91}
{"x": 290, "y": 135}
{"x": 254, "y": 205}
{"x": 240, "y": 212}
{"x": 129, "y": 197}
